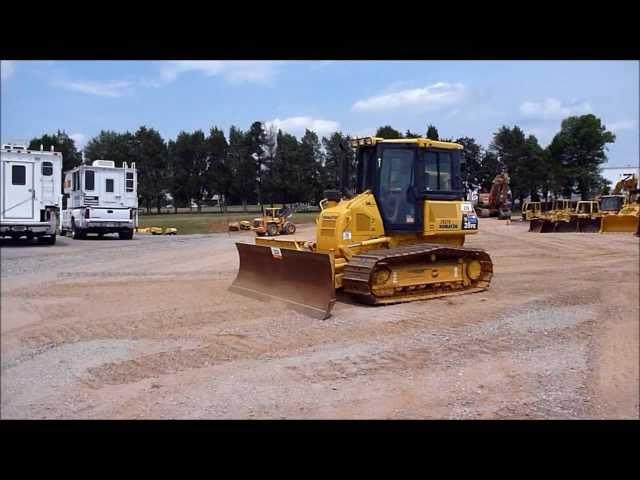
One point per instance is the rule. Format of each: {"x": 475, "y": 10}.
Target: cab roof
{"x": 421, "y": 142}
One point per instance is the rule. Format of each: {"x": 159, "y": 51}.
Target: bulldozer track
{"x": 358, "y": 271}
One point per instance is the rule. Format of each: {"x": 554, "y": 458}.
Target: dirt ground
{"x": 148, "y": 329}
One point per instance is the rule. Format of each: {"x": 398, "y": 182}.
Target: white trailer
{"x": 30, "y": 197}
{"x": 100, "y": 198}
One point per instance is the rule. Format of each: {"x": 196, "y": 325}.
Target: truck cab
{"x": 30, "y": 192}
{"x": 100, "y": 198}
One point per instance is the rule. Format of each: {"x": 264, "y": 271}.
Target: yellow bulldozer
{"x": 531, "y": 211}
{"x": 398, "y": 237}
{"x": 627, "y": 218}
{"x": 547, "y": 219}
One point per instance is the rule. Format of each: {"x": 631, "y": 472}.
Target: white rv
{"x": 30, "y": 197}
{"x": 100, "y": 198}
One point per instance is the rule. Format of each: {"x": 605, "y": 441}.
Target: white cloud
{"x": 104, "y": 89}
{"x": 431, "y": 97}
{"x": 622, "y": 125}
{"x": 79, "y": 138}
{"x": 234, "y": 71}
{"x": 297, "y": 125}
{"x": 552, "y": 109}
{"x": 7, "y": 67}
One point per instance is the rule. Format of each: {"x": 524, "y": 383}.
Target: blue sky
{"x": 462, "y": 98}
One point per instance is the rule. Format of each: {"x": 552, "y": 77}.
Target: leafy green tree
{"x": 432, "y": 133}
{"x": 337, "y": 150}
{"x": 189, "y": 157}
{"x": 490, "y": 166}
{"x": 410, "y": 134}
{"x": 509, "y": 145}
{"x": 109, "y": 145}
{"x": 243, "y": 167}
{"x": 472, "y": 161}
{"x": 62, "y": 143}
{"x": 219, "y": 177}
{"x": 311, "y": 159}
{"x": 178, "y": 173}
{"x": 388, "y": 132}
{"x": 151, "y": 158}
{"x": 577, "y": 152}
{"x": 256, "y": 146}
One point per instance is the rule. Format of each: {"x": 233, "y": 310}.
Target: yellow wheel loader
{"x": 399, "y": 237}
{"x": 274, "y": 221}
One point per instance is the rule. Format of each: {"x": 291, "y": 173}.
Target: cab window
{"x": 47, "y": 169}
{"x": 18, "y": 175}
{"x": 89, "y": 180}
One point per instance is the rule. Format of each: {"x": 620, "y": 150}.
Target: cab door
{"x": 18, "y": 190}
{"x": 396, "y": 194}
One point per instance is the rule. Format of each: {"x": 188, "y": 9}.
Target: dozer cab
{"x": 531, "y": 211}
{"x": 627, "y": 218}
{"x": 584, "y": 219}
{"x": 399, "y": 237}
{"x": 274, "y": 221}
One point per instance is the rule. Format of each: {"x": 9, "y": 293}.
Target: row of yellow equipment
{"x": 158, "y": 230}
{"x": 398, "y": 237}
{"x": 619, "y": 212}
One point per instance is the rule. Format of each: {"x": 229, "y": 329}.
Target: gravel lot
{"x": 148, "y": 329}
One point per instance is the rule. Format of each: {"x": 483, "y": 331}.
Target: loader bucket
{"x": 620, "y": 223}
{"x": 302, "y": 280}
{"x": 588, "y": 225}
{"x": 566, "y": 227}
{"x": 535, "y": 225}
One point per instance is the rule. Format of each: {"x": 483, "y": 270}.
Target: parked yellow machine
{"x": 400, "y": 238}
{"x": 274, "y": 221}
{"x": 546, "y": 220}
{"x": 627, "y": 219}
{"x": 531, "y": 211}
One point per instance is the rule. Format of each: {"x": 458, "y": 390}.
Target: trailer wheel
{"x": 126, "y": 235}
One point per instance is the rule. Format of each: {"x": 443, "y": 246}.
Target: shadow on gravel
{"x": 23, "y": 242}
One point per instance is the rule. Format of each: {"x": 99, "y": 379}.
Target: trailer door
{"x": 46, "y": 181}
{"x": 18, "y": 190}
{"x": 111, "y": 187}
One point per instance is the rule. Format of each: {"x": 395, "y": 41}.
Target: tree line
{"x": 264, "y": 165}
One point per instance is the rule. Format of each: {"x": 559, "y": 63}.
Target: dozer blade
{"x": 619, "y": 223}
{"x": 547, "y": 226}
{"x": 303, "y": 280}
{"x": 588, "y": 225}
{"x": 535, "y": 225}
{"x": 567, "y": 227}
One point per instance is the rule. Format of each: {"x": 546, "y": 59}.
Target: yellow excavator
{"x": 625, "y": 198}
{"x": 399, "y": 237}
